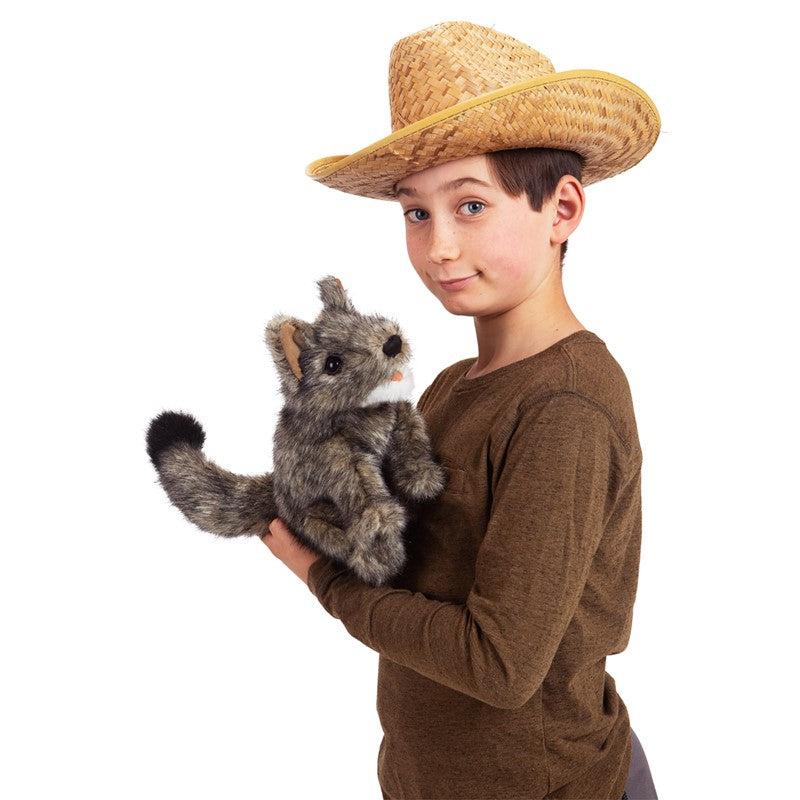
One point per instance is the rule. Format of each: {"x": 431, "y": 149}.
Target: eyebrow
{"x": 445, "y": 187}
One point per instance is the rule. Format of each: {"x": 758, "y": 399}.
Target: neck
{"x": 540, "y": 320}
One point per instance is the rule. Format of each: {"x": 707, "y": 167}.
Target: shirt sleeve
{"x": 547, "y": 517}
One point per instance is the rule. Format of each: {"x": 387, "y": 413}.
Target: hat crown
{"x": 452, "y": 62}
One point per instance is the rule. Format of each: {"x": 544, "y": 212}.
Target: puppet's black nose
{"x": 392, "y": 345}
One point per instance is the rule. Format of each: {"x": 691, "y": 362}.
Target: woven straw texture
{"x": 458, "y": 89}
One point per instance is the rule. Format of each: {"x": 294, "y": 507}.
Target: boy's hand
{"x": 283, "y": 544}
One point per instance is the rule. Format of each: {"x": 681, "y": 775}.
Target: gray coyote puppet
{"x": 350, "y": 450}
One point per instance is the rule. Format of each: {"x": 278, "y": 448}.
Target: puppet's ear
{"x": 286, "y": 338}
{"x": 333, "y": 294}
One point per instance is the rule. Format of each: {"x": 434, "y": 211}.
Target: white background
{"x": 155, "y": 214}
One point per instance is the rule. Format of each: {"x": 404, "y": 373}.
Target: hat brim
{"x": 604, "y": 117}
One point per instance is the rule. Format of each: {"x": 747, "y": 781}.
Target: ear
{"x": 333, "y": 294}
{"x": 286, "y": 338}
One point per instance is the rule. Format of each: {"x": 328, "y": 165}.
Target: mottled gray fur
{"x": 350, "y": 450}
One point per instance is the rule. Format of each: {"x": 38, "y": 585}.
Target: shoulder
{"x": 591, "y": 375}
{"x": 565, "y": 408}
{"x": 591, "y": 369}
{"x": 566, "y": 421}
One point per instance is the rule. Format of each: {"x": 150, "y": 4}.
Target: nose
{"x": 443, "y": 245}
{"x": 392, "y": 345}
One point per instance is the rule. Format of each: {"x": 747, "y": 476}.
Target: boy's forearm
{"x": 440, "y": 640}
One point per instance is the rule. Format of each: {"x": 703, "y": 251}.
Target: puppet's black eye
{"x": 332, "y": 365}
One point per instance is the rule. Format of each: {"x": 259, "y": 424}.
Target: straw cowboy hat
{"x": 458, "y": 89}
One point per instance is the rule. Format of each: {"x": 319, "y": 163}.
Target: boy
{"x": 521, "y": 576}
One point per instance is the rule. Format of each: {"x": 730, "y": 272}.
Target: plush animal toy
{"x": 350, "y": 450}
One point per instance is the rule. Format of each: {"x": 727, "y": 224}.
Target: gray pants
{"x": 639, "y": 785}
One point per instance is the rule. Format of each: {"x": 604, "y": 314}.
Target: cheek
{"x": 417, "y": 255}
{"x": 506, "y": 259}
{"x": 413, "y": 249}
{"x": 509, "y": 255}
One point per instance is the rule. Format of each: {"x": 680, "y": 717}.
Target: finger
{"x": 278, "y": 528}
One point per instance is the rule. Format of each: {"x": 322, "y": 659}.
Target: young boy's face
{"x": 472, "y": 229}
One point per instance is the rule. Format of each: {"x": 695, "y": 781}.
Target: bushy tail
{"x": 212, "y": 498}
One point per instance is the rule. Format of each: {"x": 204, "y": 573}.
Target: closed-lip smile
{"x": 457, "y": 281}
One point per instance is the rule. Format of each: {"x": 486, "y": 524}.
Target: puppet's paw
{"x": 428, "y": 481}
{"x": 380, "y": 551}
{"x": 389, "y": 552}
{"x": 385, "y": 560}
{"x": 170, "y": 428}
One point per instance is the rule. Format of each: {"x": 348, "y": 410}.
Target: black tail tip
{"x": 170, "y": 428}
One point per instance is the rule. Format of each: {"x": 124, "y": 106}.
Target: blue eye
{"x": 414, "y": 210}
{"x": 411, "y": 211}
{"x": 474, "y": 203}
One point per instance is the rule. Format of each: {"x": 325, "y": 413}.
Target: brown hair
{"x": 535, "y": 171}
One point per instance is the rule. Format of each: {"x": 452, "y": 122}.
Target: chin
{"x": 461, "y": 309}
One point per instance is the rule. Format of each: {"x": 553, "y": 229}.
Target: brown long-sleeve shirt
{"x": 520, "y": 580}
